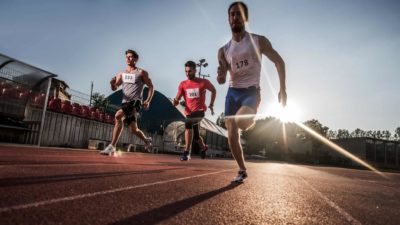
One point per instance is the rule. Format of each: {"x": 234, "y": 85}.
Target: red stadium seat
{"x": 102, "y": 117}
{"x": 4, "y": 84}
{"x": 66, "y": 107}
{"x": 38, "y": 99}
{"x": 23, "y": 95}
{"x": 55, "y": 105}
{"x": 94, "y": 114}
{"x": 76, "y": 109}
{"x": 86, "y": 112}
{"x": 110, "y": 119}
{"x": 21, "y": 88}
{"x": 9, "y": 93}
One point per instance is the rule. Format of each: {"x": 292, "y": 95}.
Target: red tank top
{"x": 194, "y": 93}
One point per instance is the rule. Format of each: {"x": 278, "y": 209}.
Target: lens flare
{"x": 339, "y": 149}
{"x": 290, "y": 113}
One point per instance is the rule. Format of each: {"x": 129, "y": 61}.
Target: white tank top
{"x": 244, "y": 62}
{"x": 132, "y": 86}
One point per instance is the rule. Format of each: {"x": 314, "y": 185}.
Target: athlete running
{"x": 241, "y": 56}
{"x": 132, "y": 80}
{"x": 193, "y": 91}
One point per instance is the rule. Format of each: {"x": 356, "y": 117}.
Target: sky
{"x": 342, "y": 57}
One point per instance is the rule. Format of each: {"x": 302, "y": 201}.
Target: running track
{"x": 64, "y": 186}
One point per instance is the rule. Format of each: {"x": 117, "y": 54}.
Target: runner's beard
{"x": 236, "y": 28}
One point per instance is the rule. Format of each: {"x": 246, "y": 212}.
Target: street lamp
{"x": 202, "y": 63}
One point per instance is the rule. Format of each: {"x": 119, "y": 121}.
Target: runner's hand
{"x": 146, "y": 105}
{"x": 221, "y": 78}
{"x": 175, "y": 102}
{"x": 113, "y": 83}
{"x": 282, "y": 97}
{"x": 211, "y": 107}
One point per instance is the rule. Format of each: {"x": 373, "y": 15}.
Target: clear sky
{"x": 342, "y": 57}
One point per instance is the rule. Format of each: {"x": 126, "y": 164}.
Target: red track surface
{"x": 64, "y": 186}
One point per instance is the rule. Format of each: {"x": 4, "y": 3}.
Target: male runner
{"x": 193, "y": 91}
{"x": 241, "y": 56}
{"x": 132, "y": 80}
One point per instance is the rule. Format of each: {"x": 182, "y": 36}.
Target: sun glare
{"x": 290, "y": 113}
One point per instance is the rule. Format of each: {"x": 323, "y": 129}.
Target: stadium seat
{"x": 23, "y": 95}
{"x": 102, "y": 117}
{"x": 94, "y": 114}
{"x": 38, "y": 99}
{"x": 9, "y": 93}
{"x": 5, "y": 84}
{"x": 109, "y": 119}
{"x": 85, "y": 112}
{"x": 55, "y": 105}
{"x": 76, "y": 109}
{"x": 66, "y": 106}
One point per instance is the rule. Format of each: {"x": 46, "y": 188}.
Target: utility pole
{"x": 91, "y": 93}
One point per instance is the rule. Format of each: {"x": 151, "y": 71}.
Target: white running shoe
{"x": 148, "y": 146}
{"x": 109, "y": 150}
{"x": 242, "y": 174}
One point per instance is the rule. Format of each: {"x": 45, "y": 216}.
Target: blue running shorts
{"x": 238, "y": 97}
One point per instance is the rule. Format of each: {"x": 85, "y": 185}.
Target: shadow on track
{"x": 11, "y": 182}
{"x": 157, "y": 215}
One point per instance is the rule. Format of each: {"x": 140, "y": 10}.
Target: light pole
{"x": 202, "y": 63}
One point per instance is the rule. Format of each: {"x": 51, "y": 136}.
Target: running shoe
{"x": 109, "y": 150}
{"x": 242, "y": 174}
{"x": 185, "y": 156}
{"x": 204, "y": 151}
{"x": 149, "y": 145}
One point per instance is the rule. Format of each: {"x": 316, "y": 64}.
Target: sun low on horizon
{"x": 290, "y": 113}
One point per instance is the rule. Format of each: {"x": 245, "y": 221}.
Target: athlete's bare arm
{"x": 116, "y": 81}
{"x": 267, "y": 49}
{"x": 213, "y": 91}
{"x": 150, "y": 93}
{"x": 222, "y": 67}
{"x": 178, "y": 96}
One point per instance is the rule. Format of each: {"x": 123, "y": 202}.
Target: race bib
{"x": 193, "y": 93}
{"x": 129, "y": 78}
{"x": 242, "y": 63}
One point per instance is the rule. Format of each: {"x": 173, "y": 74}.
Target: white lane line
{"x": 75, "y": 197}
{"x": 66, "y": 164}
{"x": 341, "y": 211}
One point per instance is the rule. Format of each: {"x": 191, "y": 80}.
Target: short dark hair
{"x": 133, "y": 53}
{"x": 244, "y": 7}
{"x": 190, "y": 64}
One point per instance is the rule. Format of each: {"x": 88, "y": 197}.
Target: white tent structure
{"x": 214, "y": 136}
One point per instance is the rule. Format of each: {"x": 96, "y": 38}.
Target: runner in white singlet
{"x": 242, "y": 58}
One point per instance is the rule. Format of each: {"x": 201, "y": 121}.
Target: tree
{"x": 357, "y": 133}
{"x": 343, "y": 133}
{"x": 331, "y": 134}
{"x": 315, "y": 143}
{"x": 397, "y": 133}
{"x": 221, "y": 121}
{"x": 386, "y": 134}
{"x": 369, "y": 134}
{"x": 317, "y": 127}
{"x": 100, "y": 101}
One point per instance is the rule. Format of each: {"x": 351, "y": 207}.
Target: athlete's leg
{"x": 196, "y": 135}
{"x": 188, "y": 139}
{"x": 110, "y": 149}
{"x": 234, "y": 142}
{"x": 117, "y": 127}
{"x": 244, "y": 118}
{"x": 136, "y": 131}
